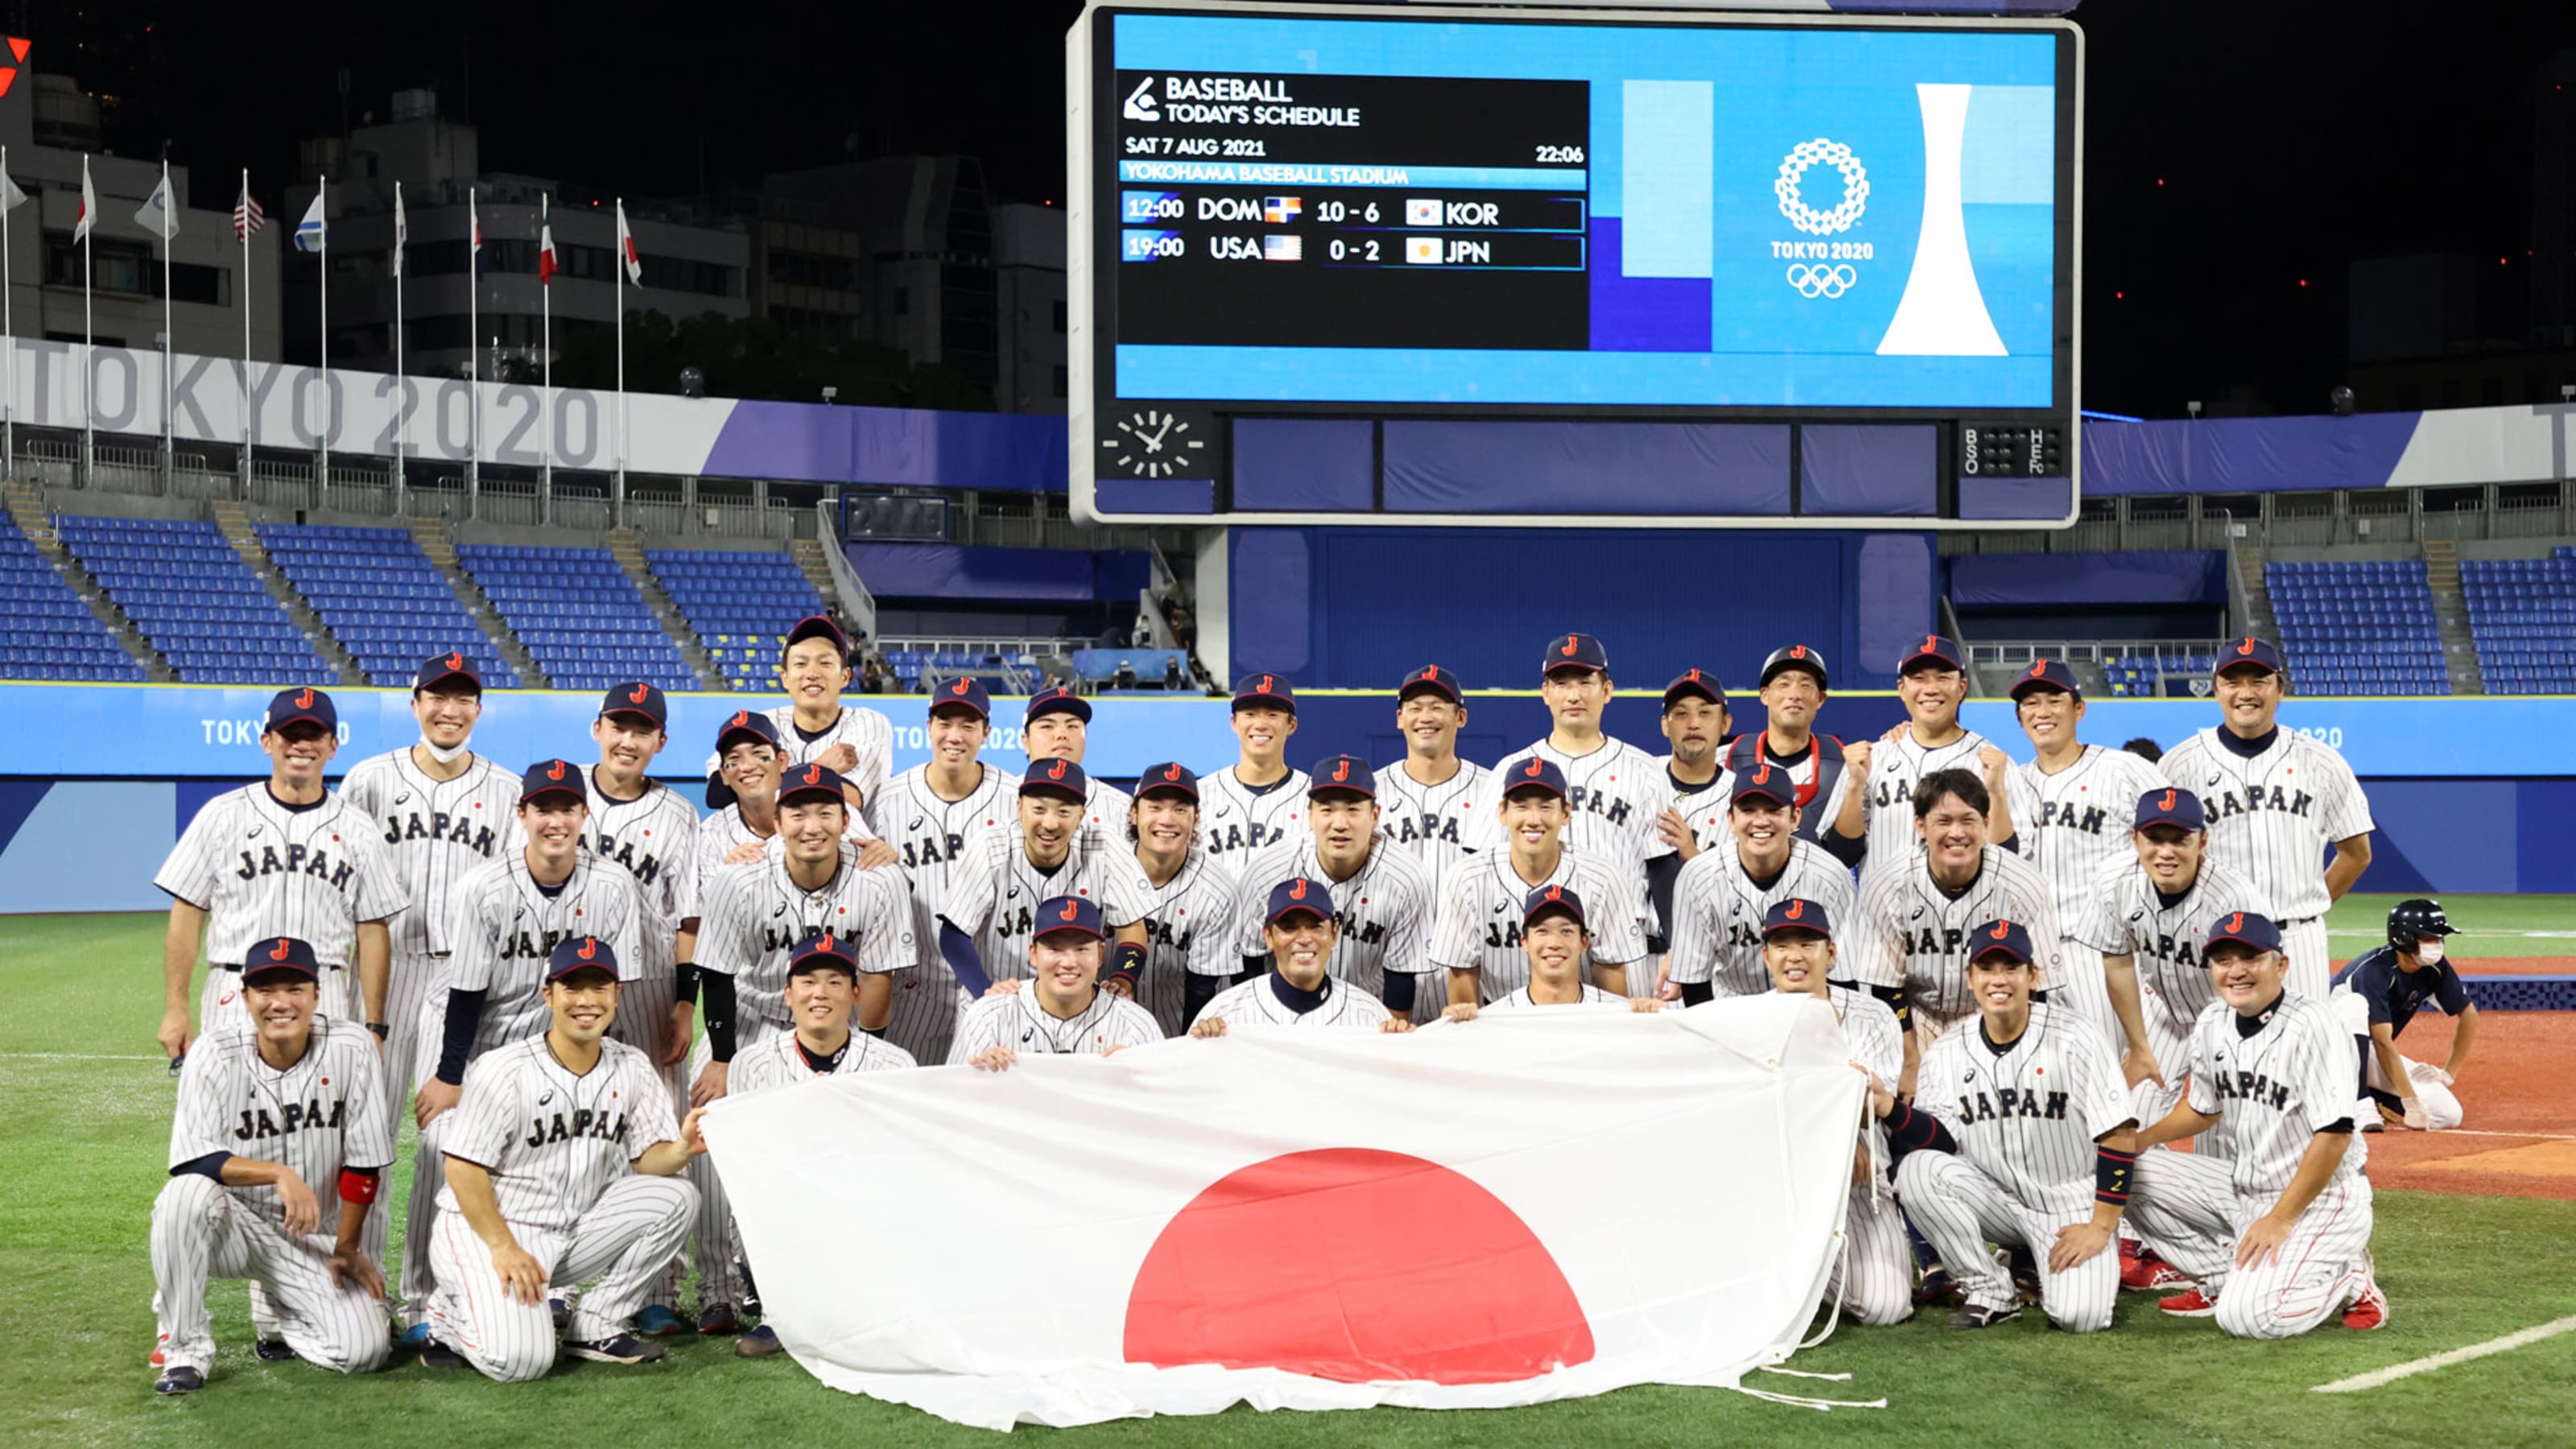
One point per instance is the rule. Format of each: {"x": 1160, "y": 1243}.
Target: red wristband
{"x": 359, "y": 1187}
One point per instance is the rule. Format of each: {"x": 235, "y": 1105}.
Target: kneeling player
{"x": 547, "y": 1188}
{"x": 1061, "y": 1009}
{"x": 2275, "y": 1222}
{"x": 266, "y": 1110}
{"x": 1299, "y": 989}
{"x": 1554, "y": 938}
{"x": 2021, "y": 1136}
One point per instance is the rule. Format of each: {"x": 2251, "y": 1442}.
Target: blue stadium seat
{"x": 744, "y": 602}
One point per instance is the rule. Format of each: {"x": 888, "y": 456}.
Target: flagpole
{"x": 473, "y": 353}
{"x": 169, "y": 427}
{"x": 89, "y": 369}
{"x": 9, "y": 341}
{"x": 624, "y": 240}
{"x": 402, "y": 413}
{"x": 250, "y": 414}
{"x": 546, "y": 355}
{"x": 321, "y": 195}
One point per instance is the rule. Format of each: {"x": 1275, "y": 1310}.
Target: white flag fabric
{"x": 11, "y": 198}
{"x": 402, "y": 229}
{"x": 1531, "y": 1206}
{"x": 626, "y": 256}
{"x": 157, "y": 215}
{"x": 88, "y": 206}
{"x": 310, "y": 233}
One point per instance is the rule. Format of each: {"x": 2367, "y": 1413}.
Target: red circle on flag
{"x": 1312, "y": 1262}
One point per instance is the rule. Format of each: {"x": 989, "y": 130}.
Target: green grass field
{"x": 84, "y": 1116}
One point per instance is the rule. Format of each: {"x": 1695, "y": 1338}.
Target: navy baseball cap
{"x": 1575, "y": 651}
{"x": 1062, "y": 915}
{"x": 1765, "y": 781}
{"x": 2263, "y": 654}
{"x": 965, "y": 693}
{"x": 301, "y": 706}
{"x": 1056, "y": 699}
{"x": 803, "y": 780}
{"x": 639, "y": 698}
{"x": 2247, "y": 929}
{"x": 1795, "y": 656}
{"x": 453, "y": 665}
{"x": 1342, "y": 774}
{"x": 578, "y": 954}
{"x": 1552, "y": 900}
{"x": 750, "y": 723}
{"x": 1935, "y": 648}
{"x": 280, "y": 956}
{"x": 2000, "y": 938}
{"x": 1795, "y": 915}
{"x": 816, "y": 627}
{"x": 1056, "y": 777}
{"x": 1433, "y": 679}
{"x": 820, "y": 950}
{"x": 2174, "y": 806}
{"x": 1534, "y": 774}
{"x": 551, "y": 777}
{"x": 1264, "y": 691}
{"x": 1173, "y": 778}
{"x": 1289, "y": 897}
{"x": 2047, "y": 674}
{"x": 1699, "y": 682}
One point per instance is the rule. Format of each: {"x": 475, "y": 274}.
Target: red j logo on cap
{"x": 589, "y": 948}
{"x": 2236, "y": 922}
{"x": 1071, "y": 910}
{"x": 280, "y": 953}
{"x": 455, "y": 661}
{"x": 1796, "y": 909}
{"x": 639, "y": 693}
{"x": 2002, "y": 929}
{"x": 555, "y": 771}
{"x": 813, "y": 774}
{"x": 305, "y": 700}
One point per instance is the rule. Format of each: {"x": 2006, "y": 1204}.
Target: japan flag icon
{"x": 1422, "y": 211}
{"x": 1422, "y": 250}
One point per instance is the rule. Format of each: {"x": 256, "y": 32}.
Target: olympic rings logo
{"x": 1793, "y": 169}
{"x": 1814, "y": 281}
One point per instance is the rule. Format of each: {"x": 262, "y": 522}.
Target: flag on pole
{"x": 474, "y": 216}
{"x": 545, "y": 245}
{"x": 11, "y": 198}
{"x": 248, "y": 216}
{"x": 88, "y": 206}
{"x": 626, "y": 249}
{"x": 157, "y": 215}
{"x": 402, "y": 228}
{"x": 309, "y": 235}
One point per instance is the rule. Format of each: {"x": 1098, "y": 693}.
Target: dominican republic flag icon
{"x": 1280, "y": 210}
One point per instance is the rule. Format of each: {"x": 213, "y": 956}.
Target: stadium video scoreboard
{"x": 1836, "y": 255}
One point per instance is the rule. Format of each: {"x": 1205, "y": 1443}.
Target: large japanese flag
{"x": 1531, "y": 1206}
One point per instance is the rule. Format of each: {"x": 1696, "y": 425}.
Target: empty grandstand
{"x": 582, "y": 620}
{"x": 2522, "y": 612}
{"x": 2358, "y": 626}
{"x": 740, "y": 605}
{"x": 382, "y": 598}
{"x": 50, "y": 634}
{"x": 194, "y": 600}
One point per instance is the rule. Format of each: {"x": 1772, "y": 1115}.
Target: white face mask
{"x": 2429, "y": 950}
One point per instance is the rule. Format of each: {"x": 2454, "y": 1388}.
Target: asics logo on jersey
{"x": 555, "y": 771}
{"x": 305, "y": 700}
{"x": 639, "y": 693}
{"x": 281, "y": 952}
{"x": 1072, "y": 909}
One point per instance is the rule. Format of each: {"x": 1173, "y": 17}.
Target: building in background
{"x": 1028, "y": 258}
{"x": 923, "y": 227}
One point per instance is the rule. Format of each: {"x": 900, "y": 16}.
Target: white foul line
{"x": 2376, "y": 1377}
{"x": 76, "y": 1057}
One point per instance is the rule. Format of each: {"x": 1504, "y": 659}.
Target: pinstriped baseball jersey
{"x": 1616, "y": 793}
{"x": 1870, "y": 1031}
{"x": 1478, "y": 924}
{"x": 325, "y": 1112}
{"x": 504, "y": 925}
{"x": 1441, "y": 826}
{"x": 718, "y": 835}
{"x": 1887, "y": 794}
{"x": 655, "y": 838}
{"x": 1236, "y": 821}
{"x": 1104, "y": 806}
{"x": 1019, "y": 1022}
{"x": 554, "y": 1139}
{"x": 434, "y": 833}
{"x": 1702, "y": 807}
{"x": 2029, "y": 1113}
{"x": 260, "y": 869}
{"x": 1256, "y": 1003}
{"x": 2271, "y": 817}
{"x": 994, "y": 891}
{"x": 1383, "y": 909}
{"x": 754, "y": 915}
{"x": 778, "y": 1062}
{"x": 1718, "y": 908}
{"x": 1909, "y": 932}
{"x": 862, "y": 729}
{"x": 1521, "y": 1000}
{"x": 2076, "y": 822}
{"x": 1193, "y": 934}
{"x": 932, "y": 833}
{"x": 2273, "y": 1090}
{"x": 2130, "y": 917}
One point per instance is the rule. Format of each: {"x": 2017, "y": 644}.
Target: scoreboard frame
{"x": 1093, "y": 227}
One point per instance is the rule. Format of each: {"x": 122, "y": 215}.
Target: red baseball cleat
{"x": 2194, "y": 1304}
{"x": 2147, "y": 1273}
{"x": 2368, "y": 1311}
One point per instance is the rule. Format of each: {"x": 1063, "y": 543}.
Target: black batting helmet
{"x": 2411, "y": 921}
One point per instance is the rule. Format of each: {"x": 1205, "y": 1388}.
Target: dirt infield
{"x": 2515, "y": 966}
{"x": 2518, "y": 1096}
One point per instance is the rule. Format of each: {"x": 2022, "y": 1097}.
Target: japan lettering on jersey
{"x": 1441, "y": 826}
{"x": 994, "y": 892}
{"x": 654, "y": 838}
{"x": 777, "y": 1061}
{"x": 1616, "y": 794}
{"x": 1019, "y": 1022}
{"x": 1887, "y": 800}
{"x": 1478, "y": 924}
{"x": 260, "y": 869}
{"x": 325, "y": 1112}
{"x": 2030, "y": 1113}
{"x": 553, "y": 1139}
{"x": 2076, "y": 822}
{"x": 1718, "y": 909}
{"x": 2130, "y": 917}
{"x": 504, "y": 925}
{"x": 1703, "y": 807}
{"x": 1235, "y": 820}
{"x": 754, "y": 915}
{"x": 434, "y": 832}
{"x": 2272, "y": 1091}
{"x": 1909, "y": 932}
{"x": 2271, "y": 817}
{"x": 865, "y": 731}
{"x": 1191, "y": 932}
{"x": 1256, "y": 1003}
{"x": 1383, "y": 910}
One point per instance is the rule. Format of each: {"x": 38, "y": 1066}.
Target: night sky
{"x": 2234, "y": 147}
